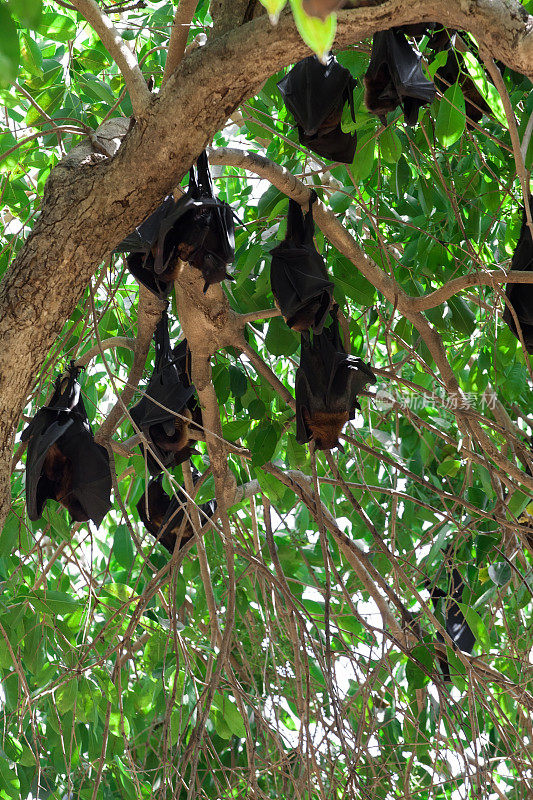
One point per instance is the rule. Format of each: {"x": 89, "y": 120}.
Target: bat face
{"x": 169, "y": 407}
{"x": 198, "y": 228}
{"x": 328, "y": 381}
{"x": 520, "y": 296}
{"x": 315, "y": 95}
{"x": 395, "y": 78}
{"x": 298, "y": 276}
{"x": 163, "y": 516}
{"x": 63, "y": 462}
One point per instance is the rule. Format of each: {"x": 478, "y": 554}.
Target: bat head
{"x": 325, "y": 427}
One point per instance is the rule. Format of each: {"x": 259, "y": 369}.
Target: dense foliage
{"x": 122, "y": 675}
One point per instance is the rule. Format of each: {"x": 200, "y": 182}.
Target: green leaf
{"x": 9, "y": 783}
{"x": 462, "y": 318}
{"x": 317, "y": 34}
{"x": 9, "y": 47}
{"x": 451, "y": 119}
{"x": 519, "y": 500}
{"x": 486, "y": 89}
{"x": 262, "y": 442}
{"x": 270, "y": 485}
{"x": 10, "y": 535}
{"x": 97, "y": 89}
{"x": 237, "y": 381}
{"x": 53, "y": 602}
{"x": 28, "y": 12}
{"x": 363, "y": 162}
{"x": 390, "y": 146}
{"x": 274, "y": 9}
{"x": 416, "y": 676}
{"x": 123, "y": 547}
{"x": 30, "y": 55}
{"x": 500, "y": 573}
{"x": 449, "y": 467}
{"x": 476, "y": 624}
{"x": 280, "y": 339}
{"x": 57, "y": 27}
{"x": 233, "y": 719}
{"x": 236, "y": 429}
{"x": 66, "y": 696}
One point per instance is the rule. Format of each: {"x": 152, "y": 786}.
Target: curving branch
{"x": 178, "y": 36}
{"x": 119, "y": 52}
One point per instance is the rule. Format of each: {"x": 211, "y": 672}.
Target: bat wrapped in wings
{"x": 315, "y": 94}
{"x": 63, "y": 462}
{"x": 328, "y": 381}
{"x": 163, "y": 517}
{"x": 454, "y": 620}
{"x": 520, "y": 295}
{"x": 395, "y": 78}
{"x": 298, "y": 276}
{"x": 169, "y": 407}
{"x": 197, "y": 228}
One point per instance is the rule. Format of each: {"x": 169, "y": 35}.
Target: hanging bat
{"x": 315, "y": 94}
{"x": 454, "y": 70}
{"x": 520, "y": 295}
{"x": 328, "y": 381}
{"x": 298, "y": 276}
{"x": 168, "y": 408}
{"x": 142, "y": 245}
{"x": 63, "y": 462}
{"x": 454, "y": 620}
{"x": 395, "y": 78}
{"x": 198, "y": 228}
{"x": 163, "y": 517}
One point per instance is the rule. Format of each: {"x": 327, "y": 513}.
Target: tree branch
{"x": 119, "y": 52}
{"x": 178, "y": 36}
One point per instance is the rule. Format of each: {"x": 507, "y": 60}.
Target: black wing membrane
{"x": 454, "y": 620}
{"x": 168, "y": 407}
{"x": 520, "y": 295}
{"x": 63, "y": 462}
{"x": 395, "y": 78}
{"x": 298, "y": 276}
{"x": 197, "y": 228}
{"x": 328, "y": 381}
{"x": 315, "y": 94}
{"x": 163, "y": 516}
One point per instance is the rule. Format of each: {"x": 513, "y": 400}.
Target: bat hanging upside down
{"x": 63, "y": 462}
{"x": 328, "y": 381}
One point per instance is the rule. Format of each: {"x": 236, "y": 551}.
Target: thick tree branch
{"x": 119, "y": 52}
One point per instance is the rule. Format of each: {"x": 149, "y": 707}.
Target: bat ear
{"x": 206, "y": 286}
{"x": 340, "y": 447}
{"x": 229, "y": 277}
